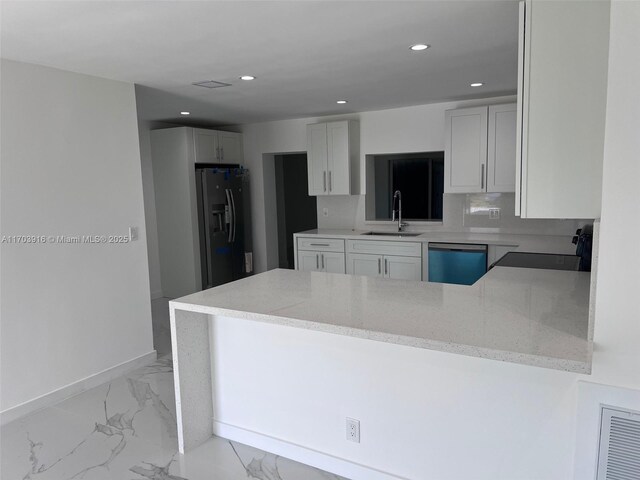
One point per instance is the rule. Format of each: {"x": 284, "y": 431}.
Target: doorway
{"x": 296, "y": 210}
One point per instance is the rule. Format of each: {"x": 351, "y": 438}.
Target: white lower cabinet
{"x": 400, "y": 260}
{"x": 384, "y": 266}
{"x": 309, "y": 261}
{"x": 364, "y": 264}
{"x": 403, "y": 268}
{"x": 320, "y": 255}
{"x": 330, "y": 262}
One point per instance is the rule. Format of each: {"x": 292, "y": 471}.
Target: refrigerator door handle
{"x": 230, "y": 210}
{"x": 233, "y": 217}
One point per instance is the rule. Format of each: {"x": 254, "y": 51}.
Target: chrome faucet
{"x": 401, "y": 224}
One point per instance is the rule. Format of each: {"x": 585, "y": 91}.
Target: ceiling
{"x": 305, "y": 54}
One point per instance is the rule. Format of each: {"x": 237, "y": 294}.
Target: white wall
{"x": 70, "y": 166}
{"x": 144, "y": 129}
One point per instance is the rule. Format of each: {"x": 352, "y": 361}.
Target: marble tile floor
{"x": 126, "y": 430}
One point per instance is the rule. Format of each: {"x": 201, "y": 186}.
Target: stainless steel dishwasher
{"x": 459, "y": 263}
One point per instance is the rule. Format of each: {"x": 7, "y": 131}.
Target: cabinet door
{"x": 501, "y": 149}
{"x": 309, "y": 261}
{"x": 403, "y": 268}
{"x": 465, "y": 151}
{"x": 562, "y": 108}
{"x": 230, "y": 144}
{"x": 338, "y": 161}
{"x": 332, "y": 262}
{"x": 205, "y": 146}
{"x": 317, "y": 158}
{"x": 363, "y": 264}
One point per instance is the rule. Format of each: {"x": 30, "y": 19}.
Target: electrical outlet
{"x": 325, "y": 212}
{"x": 353, "y": 430}
{"x": 494, "y": 213}
{"x": 133, "y": 234}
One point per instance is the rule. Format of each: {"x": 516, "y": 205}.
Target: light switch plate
{"x": 133, "y": 234}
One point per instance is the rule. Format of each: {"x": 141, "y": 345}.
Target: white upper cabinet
{"x": 480, "y": 149}
{"x": 465, "y": 153}
{"x": 205, "y": 145}
{"x": 231, "y": 150}
{"x": 317, "y": 158}
{"x": 333, "y": 158}
{"x": 562, "y": 87}
{"x": 213, "y": 146}
{"x": 501, "y": 148}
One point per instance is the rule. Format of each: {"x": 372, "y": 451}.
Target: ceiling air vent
{"x": 211, "y": 84}
{"x": 619, "y": 454}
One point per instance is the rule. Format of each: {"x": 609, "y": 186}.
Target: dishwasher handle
{"x": 458, "y": 247}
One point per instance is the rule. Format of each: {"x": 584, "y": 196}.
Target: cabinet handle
{"x": 329, "y": 180}
{"x": 317, "y": 261}
{"x": 379, "y": 267}
{"x": 319, "y": 245}
{"x": 324, "y": 181}
{"x": 221, "y": 153}
{"x": 482, "y": 177}
{"x": 386, "y": 269}
{"x": 322, "y": 257}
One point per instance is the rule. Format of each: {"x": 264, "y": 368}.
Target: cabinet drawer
{"x": 385, "y": 247}
{"x": 321, "y": 244}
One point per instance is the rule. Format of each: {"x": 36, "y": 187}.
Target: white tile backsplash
{"x": 461, "y": 212}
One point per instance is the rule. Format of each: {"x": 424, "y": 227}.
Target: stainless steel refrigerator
{"x": 224, "y": 223}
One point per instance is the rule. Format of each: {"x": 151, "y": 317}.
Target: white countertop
{"x": 526, "y": 243}
{"x": 527, "y": 316}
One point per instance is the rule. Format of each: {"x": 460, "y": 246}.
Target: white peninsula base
{"x": 280, "y": 360}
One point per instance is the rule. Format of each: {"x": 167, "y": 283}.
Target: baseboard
{"x": 323, "y": 461}
{"x": 56, "y": 396}
{"x": 157, "y": 294}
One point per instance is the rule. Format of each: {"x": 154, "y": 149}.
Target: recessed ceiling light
{"x": 247, "y": 77}
{"x": 185, "y": 113}
{"x": 476, "y": 84}
{"x": 341, "y": 102}
{"x": 418, "y": 47}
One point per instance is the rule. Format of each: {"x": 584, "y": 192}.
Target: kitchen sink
{"x": 393, "y": 234}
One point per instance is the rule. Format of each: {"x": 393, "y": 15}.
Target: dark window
{"x": 420, "y": 179}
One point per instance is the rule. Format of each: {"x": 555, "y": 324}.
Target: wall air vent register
{"x": 619, "y": 452}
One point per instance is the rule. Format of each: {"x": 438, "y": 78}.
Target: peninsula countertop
{"x": 526, "y": 316}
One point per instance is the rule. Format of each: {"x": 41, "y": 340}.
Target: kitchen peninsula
{"x": 265, "y": 336}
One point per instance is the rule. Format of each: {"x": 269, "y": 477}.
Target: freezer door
{"x": 238, "y": 190}
{"x": 216, "y": 222}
